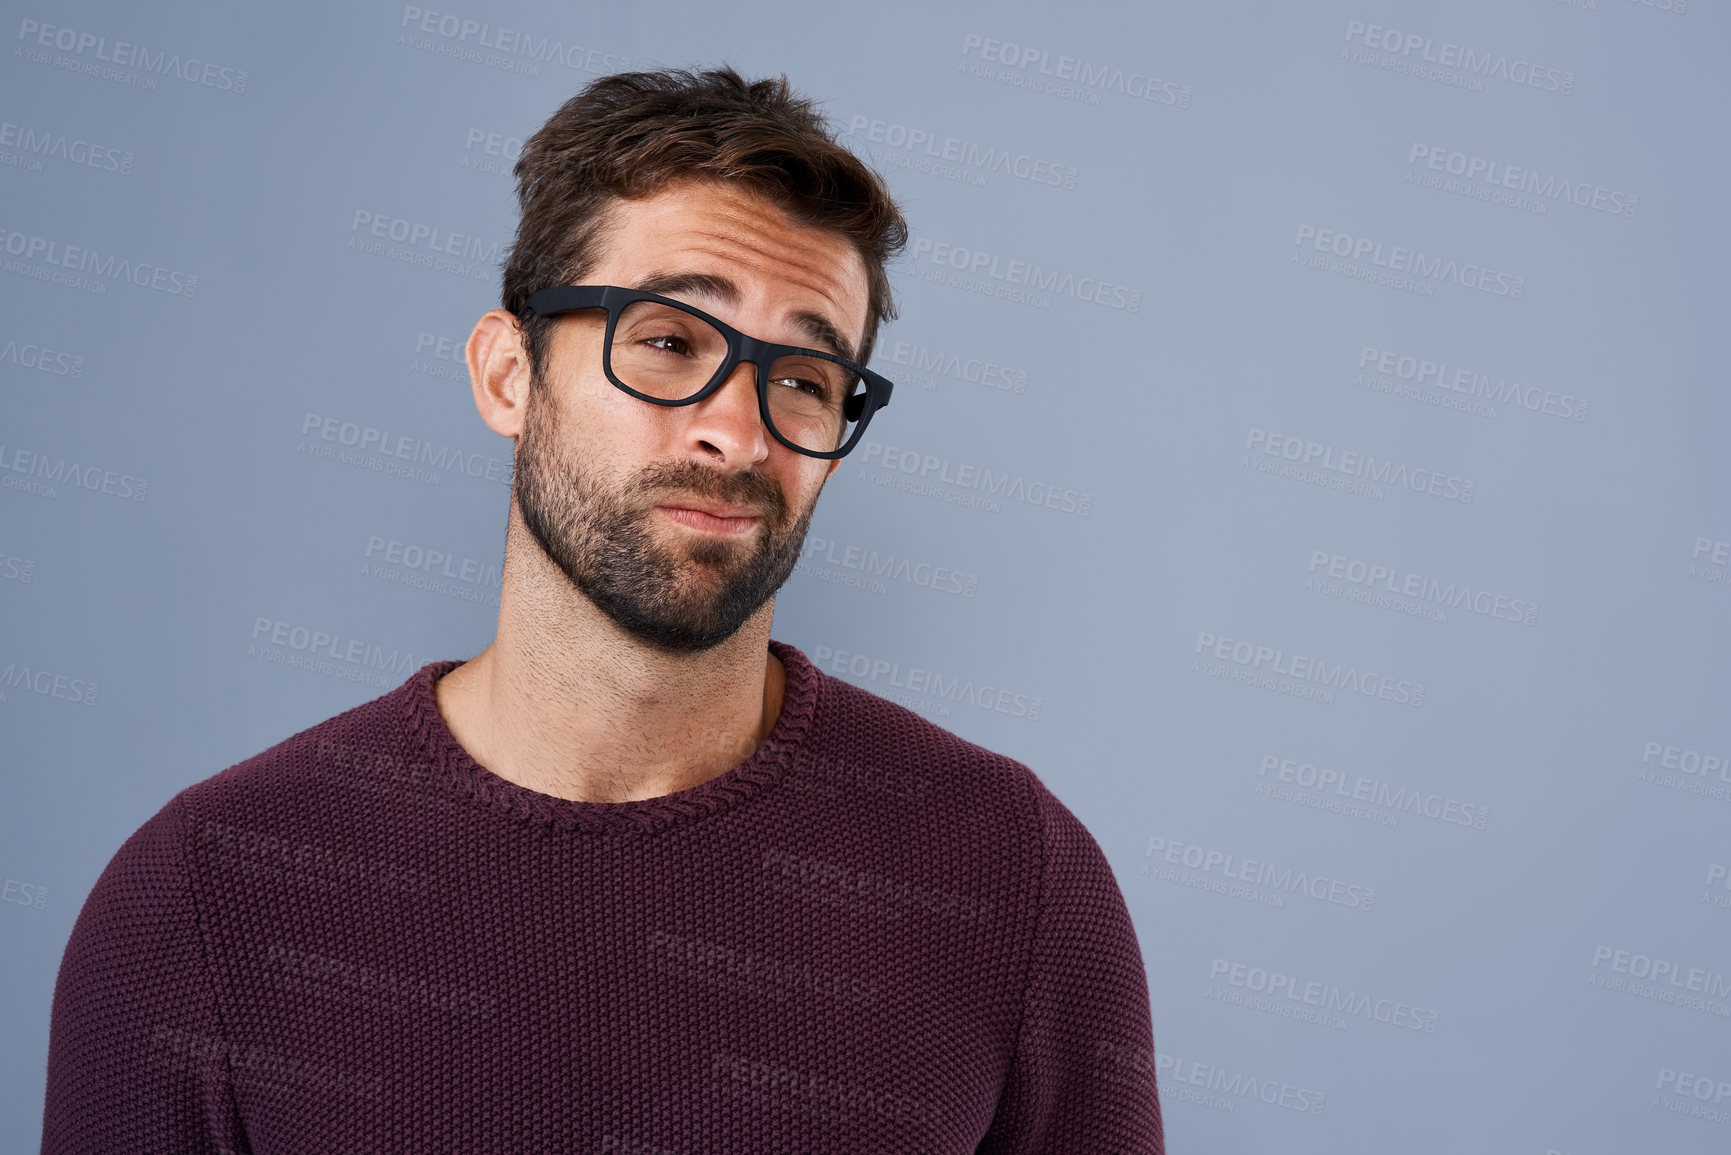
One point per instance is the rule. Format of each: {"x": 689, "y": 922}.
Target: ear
{"x": 833, "y": 466}
{"x": 499, "y": 371}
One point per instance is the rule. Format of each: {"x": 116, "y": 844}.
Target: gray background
{"x": 178, "y": 479}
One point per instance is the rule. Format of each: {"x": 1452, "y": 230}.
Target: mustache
{"x": 687, "y": 478}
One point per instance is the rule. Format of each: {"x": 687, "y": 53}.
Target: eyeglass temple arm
{"x": 855, "y": 405}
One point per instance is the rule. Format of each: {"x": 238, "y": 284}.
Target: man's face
{"x": 681, "y": 522}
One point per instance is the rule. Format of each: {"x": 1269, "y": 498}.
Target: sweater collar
{"x": 727, "y": 791}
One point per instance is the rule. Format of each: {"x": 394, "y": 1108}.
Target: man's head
{"x": 733, "y": 197}
{"x": 631, "y": 134}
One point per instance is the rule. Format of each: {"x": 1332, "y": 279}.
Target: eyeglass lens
{"x": 669, "y": 354}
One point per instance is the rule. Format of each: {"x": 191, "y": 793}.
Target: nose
{"x": 726, "y": 425}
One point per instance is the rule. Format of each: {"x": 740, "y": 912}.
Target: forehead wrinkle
{"x": 813, "y": 323}
{"x": 820, "y": 329}
{"x": 802, "y": 259}
{"x": 672, "y": 284}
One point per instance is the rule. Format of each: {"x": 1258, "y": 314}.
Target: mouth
{"x": 712, "y": 518}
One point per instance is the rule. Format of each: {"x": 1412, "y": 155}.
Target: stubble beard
{"x": 679, "y": 599}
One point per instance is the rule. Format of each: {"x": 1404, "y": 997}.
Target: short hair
{"x": 630, "y": 134}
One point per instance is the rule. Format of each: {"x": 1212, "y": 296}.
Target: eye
{"x": 670, "y": 343}
{"x": 816, "y": 389}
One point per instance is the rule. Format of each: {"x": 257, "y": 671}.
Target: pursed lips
{"x": 712, "y": 516}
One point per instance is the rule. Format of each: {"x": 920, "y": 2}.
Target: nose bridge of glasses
{"x": 757, "y": 353}
{"x": 734, "y": 408}
{"x": 746, "y": 365}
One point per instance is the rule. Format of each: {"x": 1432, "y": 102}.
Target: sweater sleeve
{"x": 136, "y": 1055}
{"x": 1083, "y": 1074}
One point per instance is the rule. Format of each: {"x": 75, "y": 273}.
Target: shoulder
{"x": 980, "y": 821}
{"x": 368, "y": 750}
{"x": 872, "y": 727}
{"x": 864, "y": 742}
{"x": 362, "y": 746}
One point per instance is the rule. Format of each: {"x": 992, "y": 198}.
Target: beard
{"x": 678, "y": 598}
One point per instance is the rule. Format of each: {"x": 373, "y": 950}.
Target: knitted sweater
{"x": 871, "y": 935}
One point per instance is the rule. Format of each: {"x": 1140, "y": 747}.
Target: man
{"x": 635, "y": 878}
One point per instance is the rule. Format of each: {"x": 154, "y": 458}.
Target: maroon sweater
{"x": 871, "y": 935}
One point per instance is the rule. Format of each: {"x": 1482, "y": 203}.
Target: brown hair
{"x": 630, "y": 134}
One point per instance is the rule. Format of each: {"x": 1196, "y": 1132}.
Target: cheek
{"x": 607, "y": 424}
{"x": 576, "y": 436}
{"x": 577, "y": 376}
{"x": 595, "y": 398}
{"x": 807, "y": 485}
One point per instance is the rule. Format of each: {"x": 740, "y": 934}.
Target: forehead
{"x": 780, "y": 266}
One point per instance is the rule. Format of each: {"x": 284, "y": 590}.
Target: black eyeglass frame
{"x": 859, "y": 407}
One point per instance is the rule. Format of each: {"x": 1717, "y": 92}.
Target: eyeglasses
{"x": 666, "y": 352}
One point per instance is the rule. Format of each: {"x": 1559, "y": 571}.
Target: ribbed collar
{"x": 736, "y": 787}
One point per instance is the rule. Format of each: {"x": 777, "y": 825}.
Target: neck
{"x": 565, "y": 703}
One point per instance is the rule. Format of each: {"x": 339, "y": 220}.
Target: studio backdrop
{"x": 1308, "y": 454}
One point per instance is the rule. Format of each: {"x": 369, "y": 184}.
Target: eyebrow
{"x": 816, "y": 326}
